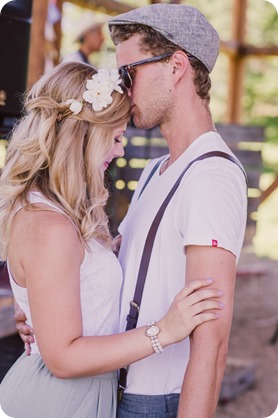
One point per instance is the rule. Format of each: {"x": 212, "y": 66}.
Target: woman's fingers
{"x": 198, "y": 305}
{"x": 204, "y": 294}
{"x": 194, "y": 299}
{"x": 196, "y": 291}
{"x": 206, "y": 306}
{"x": 204, "y": 317}
{"x": 193, "y": 287}
{"x": 193, "y": 305}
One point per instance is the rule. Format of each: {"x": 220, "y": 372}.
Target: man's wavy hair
{"x": 155, "y": 43}
{"x": 59, "y": 154}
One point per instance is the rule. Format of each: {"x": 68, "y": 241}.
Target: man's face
{"x": 149, "y": 83}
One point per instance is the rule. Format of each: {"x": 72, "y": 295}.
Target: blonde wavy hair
{"x": 61, "y": 158}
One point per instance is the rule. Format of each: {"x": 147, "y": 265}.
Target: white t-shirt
{"x": 208, "y": 209}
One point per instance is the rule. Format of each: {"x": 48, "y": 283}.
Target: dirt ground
{"x": 254, "y": 323}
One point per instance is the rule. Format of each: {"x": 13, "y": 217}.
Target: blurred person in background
{"x": 89, "y": 36}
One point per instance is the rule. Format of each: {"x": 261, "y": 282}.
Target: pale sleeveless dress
{"x": 29, "y": 390}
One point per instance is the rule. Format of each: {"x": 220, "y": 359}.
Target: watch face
{"x": 152, "y": 331}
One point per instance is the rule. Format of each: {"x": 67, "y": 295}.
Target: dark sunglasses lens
{"x": 125, "y": 77}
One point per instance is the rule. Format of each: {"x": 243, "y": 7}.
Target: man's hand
{"x": 116, "y": 244}
{"x": 24, "y": 330}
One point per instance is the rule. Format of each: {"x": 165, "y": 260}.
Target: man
{"x": 89, "y": 36}
{"x": 202, "y": 230}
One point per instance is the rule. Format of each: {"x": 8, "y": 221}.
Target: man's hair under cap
{"x": 184, "y": 26}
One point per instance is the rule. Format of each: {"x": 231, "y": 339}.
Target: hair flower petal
{"x": 75, "y": 106}
{"x": 100, "y": 88}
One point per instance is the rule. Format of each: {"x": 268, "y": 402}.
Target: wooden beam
{"x": 110, "y": 7}
{"x": 273, "y": 186}
{"x": 36, "y": 61}
{"x": 231, "y": 48}
{"x": 260, "y": 51}
{"x": 169, "y": 1}
{"x": 237, "y": 62}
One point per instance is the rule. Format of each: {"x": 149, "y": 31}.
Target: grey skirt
{"x": 29, "y": 390}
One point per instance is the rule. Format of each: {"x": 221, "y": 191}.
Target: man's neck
{"x": 84, "y": 57}
{"x": 86, "y": 50}
{"x": 184, "y": 128}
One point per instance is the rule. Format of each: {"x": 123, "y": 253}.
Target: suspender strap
{"x": 133, "y": 315}
{"x": 155, "y": 167}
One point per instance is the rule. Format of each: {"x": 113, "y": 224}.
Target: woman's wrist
{"x": 152, "y": 332}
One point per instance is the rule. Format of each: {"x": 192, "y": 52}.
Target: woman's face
{"x": 117, "y": 149}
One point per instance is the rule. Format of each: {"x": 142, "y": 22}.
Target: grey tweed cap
{"x": 183, "y": 25}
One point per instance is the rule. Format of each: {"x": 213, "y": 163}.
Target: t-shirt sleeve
{"x": 213, "y": 206}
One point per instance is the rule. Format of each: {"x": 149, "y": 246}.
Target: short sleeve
{"x": 213, "y": 205}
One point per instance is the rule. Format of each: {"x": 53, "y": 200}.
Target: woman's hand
{"x": 24, "y": 330}
{"x": 192, "y": 306}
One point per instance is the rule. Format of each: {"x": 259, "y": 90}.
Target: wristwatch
{"x": 152, "y": 332}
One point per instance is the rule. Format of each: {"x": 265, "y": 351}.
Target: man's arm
{"x": 208, "y": 342}
{"x": 116, "y": 244}
{"x": 24, "y": 330}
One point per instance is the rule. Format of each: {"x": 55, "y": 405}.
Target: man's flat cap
{"x": 185, "y": 26}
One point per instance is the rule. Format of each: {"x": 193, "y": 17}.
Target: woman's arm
{"x": 50, "y": 260}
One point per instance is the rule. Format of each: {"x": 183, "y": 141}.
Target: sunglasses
{"x": 124, "y": 70}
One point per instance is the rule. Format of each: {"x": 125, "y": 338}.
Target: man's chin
{"x": 140, "y": 124}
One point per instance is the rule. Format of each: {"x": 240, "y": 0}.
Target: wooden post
{"x": 237, "y": 61}
{"x": 36, "y": 61}
{"x": 58, "y": 32}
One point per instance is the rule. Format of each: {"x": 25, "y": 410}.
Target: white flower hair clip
{"x": 100, "y": 88}
{"x": 75, "y": 106}
{"x": 98, "y": 92}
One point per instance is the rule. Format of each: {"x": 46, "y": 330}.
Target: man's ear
{"x": 180, "y": 63}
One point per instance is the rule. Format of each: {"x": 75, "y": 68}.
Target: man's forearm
{"x": 202, "y": 382}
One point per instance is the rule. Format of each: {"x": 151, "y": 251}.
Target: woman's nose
{"x": 119, "y": 152}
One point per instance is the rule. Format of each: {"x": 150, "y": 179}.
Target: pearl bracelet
{"x": 152, "y": 332}
{"x": 156, "y": 345}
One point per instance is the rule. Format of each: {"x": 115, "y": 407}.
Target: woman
{"x": 55, "y": 237}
